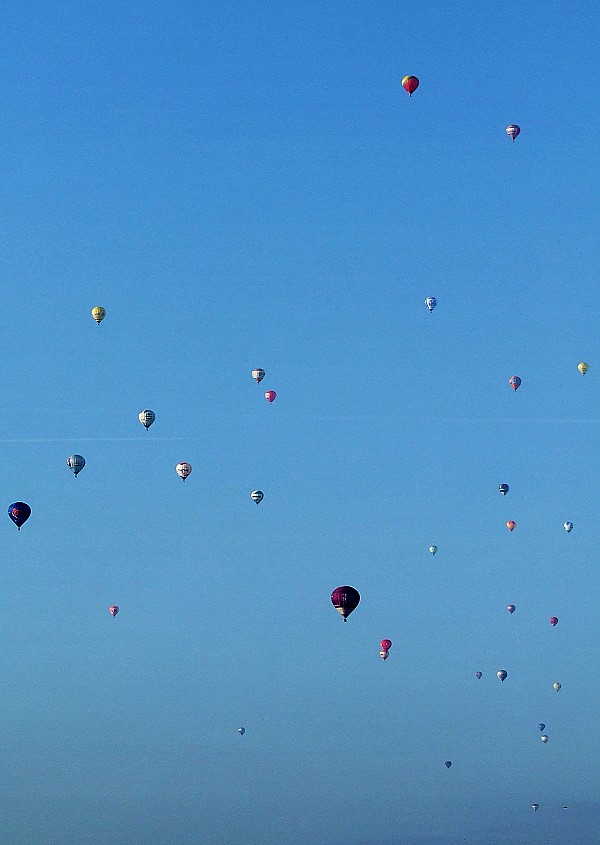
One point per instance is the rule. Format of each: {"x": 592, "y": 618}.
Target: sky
{"x": 248, "y": 185}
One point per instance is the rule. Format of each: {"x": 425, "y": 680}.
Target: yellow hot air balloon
{"x": 583, "y": 368}
{"x": 98, "y": 313}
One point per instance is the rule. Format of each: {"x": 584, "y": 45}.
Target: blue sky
{"x": 246, "y": 185}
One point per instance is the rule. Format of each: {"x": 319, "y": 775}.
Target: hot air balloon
{"x": 113, "y": 610}
{"x": 512, "y": 130}
{"x": 541, "y": 726}
{"x": 448, "y": 763}
{"x": 410, "y": 84}
{"x": 511, "y": 608}
{"x": 583, "y": 368}
{"x": 534, "y": 807}
{"x": 345, "y": 600}
{"x": 241, "y": 731}
{"x": 504, "y": 488}
{"x": 386, "y": 645}
{"x": 257, "y": 496}
{"x": 183, "y": 469}
{"x": 19, "y": 512}
{"x": 557, "y": 686}
{"x": 76, "y": 463}
{"x": 433, "y": 549}
{"x": 146, "y": 418}
{"x": 511, "y": 525}
{"x": 502, "y": 675}
{"x": 383, "y": 654}
{"x": 544, "y": 738}
{"x": 258, "y": 375}
{"x": 98, "y": 313}
{"x": 554, "y": 621}
{"x": 478, "y": 675}
{"x": 270, "y": 395}
{"x": 515, "y": 382}
{"x": 568, "y": 526}
{"x": 430, "y": 302}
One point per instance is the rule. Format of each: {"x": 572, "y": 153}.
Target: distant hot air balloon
{"x": 568, "y": 526}
{"x": 478, "y": 675}
{"x": 430, "y": 302}
{"x": 511, "y": 608}
{"x": 410, "y": 84}
{"x": 502, "y": 675}
{"x": 554, "y": 621}
{"x": 345, "y": 600}
{"x": 98, "y": 313}
{"x": 557, "y": 686}
{"x": 534, "y": 807}
{"x": 541, "y": 726}
{"x": 386, "y": 645}
{"x": 257, "y": 496}
{"x": 583, "y": 368}
{"x": 383, "y": 654}
{"x": 433, "y": 549}
{"x": 448, "y": 763}
{"x": 146, "y": 418}
{"x": 258, "y": 375}
{"x": 19, "y": 512}
{"x": 504, "y": 488}
{"x": 511, "y": 525}
{"x": 113, "y": 610}
{"x": 512, "y": 130}
{"x": 76, "y": 463}
{"x": 241, "y": 731}
{"x": 515, "y": 382}
{"x": 183, "y": 469}
{"x": 270, "y": 395}
{"x": 544, "y": 738}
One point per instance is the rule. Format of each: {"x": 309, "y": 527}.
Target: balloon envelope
{"x": 554, "y": 621}
{"x": 410, "y": 84}
{"x": 76, "y": 463}
{"x": 19, "y": 512}
{"x": 534, "y": 807}
{"x": 241, "y": 731}
{"x": 146, "y": 418}
{"x": 113, "y": 610}
{"x": 512, "y": 130}
{"x": 557, "y": 686}
{"x": 511, "y": 525}
{"x": 183, "y": 469}
{"x": 270, "y": 395}
{"x": 544, "y": 738}
{"x": 433, "y": 549}
{"x": 504, "y": 488}
{"x": 478, "y": 675}
{"x": 345, "y": 600}
{"x": 258, "y": 375}
{"x": 515, "y": 382}
{"x": 502, "y": 675}
{"x": 541, "y": 726}
{"x": 511, "y": 608}
{"x": 448, "y": 763}
{"x": 386, "y": 645}
{"x": 583, "y": 368}
{"x": 257, "y": 496}
{"x": 568, "y": 526}
{"x": 98, "y": 313}
{"x": 430, "y": 302}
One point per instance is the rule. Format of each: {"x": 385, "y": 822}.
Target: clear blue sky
{"x": 248, "y": 185}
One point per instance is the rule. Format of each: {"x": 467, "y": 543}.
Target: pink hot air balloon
{"x": 270, "y": 395}
{"x": 511, "y": 525}
{"x": 554, "y": 620}
{"x": 511, "y": 608}
{"x": 113, "y": 610}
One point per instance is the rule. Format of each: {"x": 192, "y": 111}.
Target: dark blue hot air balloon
{"x": 541, "y": 726}
{"x": 19, "y": 512}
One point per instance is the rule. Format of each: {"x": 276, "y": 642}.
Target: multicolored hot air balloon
{"x": 113, "y": 610}
{"x": 270, "y": 395}
{"x": 515, "y": 382}
{"x": 19, "y": 512}
{"x": 503, "y": 488}
{"x": 183, "y": 469}
{"x": 511, "y": 525}
{"x": 544, "y": 738}
{"x": 430, "y": 302}
{"x": 98, "y": 313}
{"x": 478, "y": 675}
{"x": 76, "y": 463}
{"x": 557, "y": 686}
{"x": 502, "y": 675}
{"x": 554, "y": 621}
{"x": 146, "y": 418}
{"x": 433, "y": 549}
{"x": 511, "y": 608}
{"x": 345, "y": 600}
{"x": 512, "y": 130}
{"x": 583, "y": 368}
{"x": 257, "y": 496}
{"x": 568, "y": 526}
{"x": 448, "y": 763}
{"x": 258, "y": 375}
{"x": 410, "y": 84}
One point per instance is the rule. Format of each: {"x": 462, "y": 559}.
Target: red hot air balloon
{"x": 511, "y": 608}
{"x": 113, "y": 610}
{"x": 386, "y": 645}
{"x": 554, "y": 620}
{"x": 345, "y": 600}
{"x": 515, "y": 382}
{"x": 511, "y": 525}
{"x": 410, "y": 84}
{"x": 270, "y": 395}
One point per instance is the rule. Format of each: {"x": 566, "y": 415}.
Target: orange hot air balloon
{"x": 511, "y": 525}
{"x": 410, "y": 84}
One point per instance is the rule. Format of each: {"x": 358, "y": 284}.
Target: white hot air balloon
{"x": 258, "y": 375}
{"x": 146, "y": 418}
{"x": 76, "y": 463}
{"x": 183, "y": 469}
{"x": 433, "y": 549}
{"x": 568, "y": 526}
{"x": 544, "y": 738}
